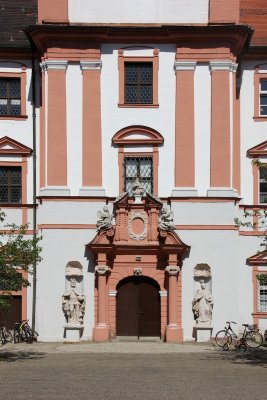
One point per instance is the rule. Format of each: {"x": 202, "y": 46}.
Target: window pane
{"x": 3, "y": 194}
{"x": 146, "y": 94}
{"x": 131, "y": 94}
{"x": 263, "y": 173}
{"x": 131, "y": 73}
{"x": 263, "y": 100}
{"x": 145, "y": 168}
{"x": 15, "y": 174}
{"x": 15, "y": 109}
{"x": 146, "y": 73}
{"x": 16, "y": 194}
{"x": 263, "y": 298}
{"x": 3, "y": 88}
{"x": 14, "y": 88}
{"x": 3, "y": 176}
{"x": 263, "y": 84}
{"x": 263, "y": 110}
{"x": 131, "y": 167}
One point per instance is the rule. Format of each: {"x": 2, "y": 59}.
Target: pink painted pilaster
{"x": 184, "y": 124}
{"x": 220, "y": 157}
{"x": 92, "y": 140}
{"x": 102, "y": 328}
{"x": 173, "y": 330}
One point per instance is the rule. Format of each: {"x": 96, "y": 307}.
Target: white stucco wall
{"x": 51, "y": 281}
{"x": 141, "y": 11}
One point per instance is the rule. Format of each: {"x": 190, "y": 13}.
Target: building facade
{"x": 133, "y": 139}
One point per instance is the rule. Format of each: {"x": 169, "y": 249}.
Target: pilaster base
{"x": 174, "y": 334}
{"x": 101, "y": 333}
{"x": 202, "y": 333}
{"x": 92, "y": 191}
{"x": 222, "y": 192}
{"x": 73, "y": 332}
{"x": 184, "y": 192}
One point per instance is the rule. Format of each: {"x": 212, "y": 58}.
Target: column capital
{"x": 184, "y": 65}
{"x": 54, "y": 64}
{"x": 102, "y": 269}
{"x": 91, "y": 65}
{"x": 223, "y": 65}
{"x": 172, "y": 270}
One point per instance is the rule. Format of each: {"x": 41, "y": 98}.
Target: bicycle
{"x": 251, "y": 337}
{"x": 6, "y": 335}
{"x": 24, "y": 333}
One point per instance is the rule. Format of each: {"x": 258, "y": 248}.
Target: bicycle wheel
{"x": 17, "y": 338}
{"x": 2, "y": 338}
{"x": 8, "y": 336}
{"x": 35, "y": 336}
{"x": 222, "y": 338}
{"x": 254, "y": 339}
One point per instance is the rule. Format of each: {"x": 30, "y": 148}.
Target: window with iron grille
{"x": 10, "y": 96}
{"x": 10, "y": 184}
{"x": 263, "y": 97}
{"x": 262, "y": 297}
{"x": 139, "y": 82}
{"x": 263, "y": 184}
{"x": 141, "y": 168}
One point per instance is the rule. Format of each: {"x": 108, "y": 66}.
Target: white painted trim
{"x": 91, "y": 65}
{"x": 221, "y": 65}
{"x": 222, "y": 192}
{"x": 54, "y": 65}
{"x": 92, "y": 191}
{"x": 184, "y": 65}
{"x": 184, "y": 192}
{"x": 113, "y": 293}
{"x": 163, "y": 293}
{"x": 55, "y": 191}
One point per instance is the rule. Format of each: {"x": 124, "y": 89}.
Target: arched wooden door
{"x": 138, "y": 307}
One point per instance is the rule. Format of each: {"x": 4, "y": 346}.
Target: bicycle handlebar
{"x": 231, "y": 322}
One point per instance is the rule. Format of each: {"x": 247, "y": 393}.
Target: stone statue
{"x": 202, "y": 305}
{"x": 105, "y": 219}
{"x": 73, "y": 304}
{"x": 137, "y": 188}
{"x": 166, "y": 220}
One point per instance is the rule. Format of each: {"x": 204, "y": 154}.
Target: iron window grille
{"x": 141, "y": 168}
{"x": 262, "y": 298}
{"x": 263, "y": 184}
{"x": 139, "y": 82}
{"x": 10, "y": 96}
{"x": 10, "y": 184}
{"x": 263, "y": 97}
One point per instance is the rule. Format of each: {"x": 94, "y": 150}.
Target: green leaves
{"x": 19, "y": 252}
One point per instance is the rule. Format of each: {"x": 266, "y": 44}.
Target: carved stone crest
{"x": 137, "y": 225}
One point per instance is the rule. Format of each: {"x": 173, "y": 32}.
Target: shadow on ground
{"x": 11, "y": 356}
{"x": 253, "y": 358}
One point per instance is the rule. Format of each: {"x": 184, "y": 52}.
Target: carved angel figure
{"x": 105, "y": 219}
{"x": 166, "y": 220}
{"x": 137, "y": 187}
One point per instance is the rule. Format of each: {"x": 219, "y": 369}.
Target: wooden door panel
{"x": 149, "y": 309}
{"x": 14, "y": 314}
{"x": 127, "y": 310}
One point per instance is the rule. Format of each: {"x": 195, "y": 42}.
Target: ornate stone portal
{"x": 73, "y": 301}
{"x": 138, "y": 246}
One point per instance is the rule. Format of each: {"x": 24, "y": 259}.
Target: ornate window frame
{"x": 142, "y": 136}
{"x": 259, "y": 264}
{"x": 122, "y": 59}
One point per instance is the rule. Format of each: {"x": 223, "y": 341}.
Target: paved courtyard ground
{"x": 125, "y": 371}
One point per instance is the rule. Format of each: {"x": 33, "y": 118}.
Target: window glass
{"x": 10, "y": 96}
{"x": 10, "y": 185}
{"x": 263, "y": 184}
{"x": 141, "y": 168}
{"x": 262, "y": 298}
{"x": 138, "y": 82}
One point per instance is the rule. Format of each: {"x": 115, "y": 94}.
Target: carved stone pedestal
{"x": 202, "y": 333}
{"x": 73, "y": 332}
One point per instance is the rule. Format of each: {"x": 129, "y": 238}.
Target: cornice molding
{"x": 184, "y": 65}
{"x": 223, "y": 65}
{"x": 54, "y": 65}
{"x": 90, "y": 65}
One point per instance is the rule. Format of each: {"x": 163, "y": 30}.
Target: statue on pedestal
{"x": 73, "y": 304}
{"x": 202, "y": 305}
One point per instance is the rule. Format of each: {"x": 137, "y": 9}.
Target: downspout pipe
{"x": 34, "y": 222}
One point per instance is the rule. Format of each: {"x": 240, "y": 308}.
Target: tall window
{"x": 139, "y": 82}
{"x": 263, "y": 97}
{"x": 10, "y": 184}
{"x": 263, "y": 184}
{"x": 10, "y": 96}
{"x": 262, "y": 297}
{"x": 141, "y": 168}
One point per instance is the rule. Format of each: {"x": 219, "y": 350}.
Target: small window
{"x": 263, "y": 97}
{"x": 10, "y": 184}
{"x": 262, "y": 297}
{"x": 141, "y": 168}
{"x": 263, "y": 184}
{"x": 10, "y": 96}
{"x": 138, "y": 83}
